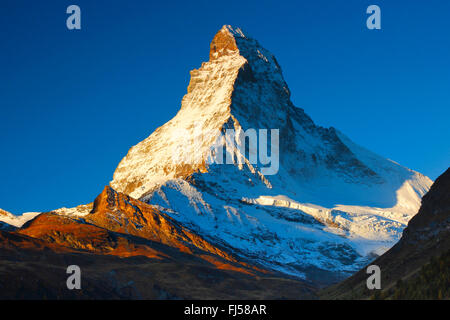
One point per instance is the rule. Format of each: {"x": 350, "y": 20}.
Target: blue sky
{"x": 73, "y": 102}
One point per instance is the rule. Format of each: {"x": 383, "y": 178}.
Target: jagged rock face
{"x": 73, "y": 234}
{"x": 328, "y": 192}
{"x": 120, "y": 213}
{"x": 223, "y": 44}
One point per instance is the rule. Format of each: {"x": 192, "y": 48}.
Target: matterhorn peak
{"x": 241, "y": 80}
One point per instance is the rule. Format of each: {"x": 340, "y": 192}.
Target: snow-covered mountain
{"x": 328, "y": 209}
{"x": 420, "y": 259}
{"x": 9, "y": 220}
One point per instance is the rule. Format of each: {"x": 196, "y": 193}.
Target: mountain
{"x": 318, "y": 207}
{"x": 417, "y": 267}
{"x": 11, "y": 221}
{"x": 127, "y": 249}
{"x": 113, "y": 225}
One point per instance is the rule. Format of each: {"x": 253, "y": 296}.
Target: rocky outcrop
{"x": 122, "y": 226}
{"x": 118, "y": 212}
{"x": 222, "y": 44}
{"x": 73, "y": 235}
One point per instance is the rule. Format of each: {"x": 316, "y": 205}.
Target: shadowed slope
{"x": 121, "y": 213}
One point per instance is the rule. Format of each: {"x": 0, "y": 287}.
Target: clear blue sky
{"x": 73, "y": 102}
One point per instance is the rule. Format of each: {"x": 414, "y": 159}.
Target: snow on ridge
{"x": 17, "y": 221}
{"x": 79, "y": 211}
{"x": 332, "y": 204}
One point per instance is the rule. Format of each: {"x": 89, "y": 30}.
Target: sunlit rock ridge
{"x": 331, "y": 206}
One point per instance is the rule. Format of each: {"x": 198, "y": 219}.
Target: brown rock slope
{"x": 418, "y": 263}
{"x": 3, "y": 225}
{"x": 72, "y": 234}
{"x": 128, "y": 250}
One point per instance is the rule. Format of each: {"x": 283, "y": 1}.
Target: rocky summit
{"x": 331, "y": 206}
